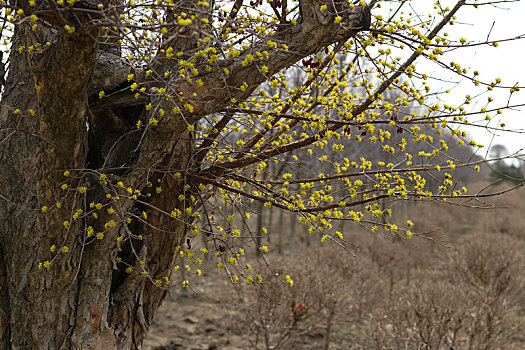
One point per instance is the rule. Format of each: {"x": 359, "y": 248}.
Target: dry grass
{"x": 416, "y": 294}
{"x": 398, "y": 295}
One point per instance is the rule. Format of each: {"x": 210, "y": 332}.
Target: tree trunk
{"x": 80, "y": 266}
{"x": 84, "y": 299}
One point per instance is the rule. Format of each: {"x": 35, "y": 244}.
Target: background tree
{"x": 128, "y": 128}
{"x": 500, "y": 170}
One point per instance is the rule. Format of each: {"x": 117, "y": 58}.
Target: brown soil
{"x": 193, "y": 319}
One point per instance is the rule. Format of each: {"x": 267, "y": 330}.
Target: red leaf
{"x": 299, "y": 307}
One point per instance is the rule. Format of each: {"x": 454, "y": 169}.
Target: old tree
{"x": 128, "y": 127}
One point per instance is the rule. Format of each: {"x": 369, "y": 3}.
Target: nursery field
{"x": 460, "y": 288}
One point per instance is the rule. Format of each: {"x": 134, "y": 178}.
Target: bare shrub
{"x": 329, "y": 289}
{"x": 488, "y": 263}
{"x": 473, "y": 305}
{"x": 440, "y": 316}
{"x": 419, "y": 317}
{"x": 507, "y": 217}
{"x": 488, "y": 266}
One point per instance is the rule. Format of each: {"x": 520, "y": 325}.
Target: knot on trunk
{"x": 344, "y": 18}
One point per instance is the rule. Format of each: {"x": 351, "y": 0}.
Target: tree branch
{"x": 221, "y": 168}
{"x": 218, "y": 89}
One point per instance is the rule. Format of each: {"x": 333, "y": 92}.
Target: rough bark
{"x": 85, "y": 300}
{"x": 18, "y": 206}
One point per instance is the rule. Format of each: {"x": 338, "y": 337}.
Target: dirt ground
{"x": 194, "y": 320}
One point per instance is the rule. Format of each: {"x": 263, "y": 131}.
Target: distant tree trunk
{"x": 281, "y": 232}
{"x": 260, "y": 223}
{"x": 308, "y": 240}
{"x": 341, "y": 224}
{"x": 328, "y": 326}
{"x": 259, "y": 232}
{"x": 271, "y": 171}
{"x": 270, "y": 222}
{"x": 292, "y": 233}
{"x": 409, "y": 266}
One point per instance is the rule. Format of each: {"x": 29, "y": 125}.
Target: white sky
{"x": 507, "y": 62}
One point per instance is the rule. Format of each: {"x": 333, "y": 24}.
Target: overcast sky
{"x": 507, "y": 61}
